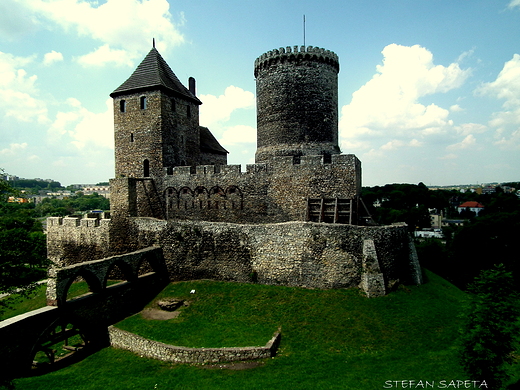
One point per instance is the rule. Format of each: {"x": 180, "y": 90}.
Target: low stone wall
{"x": 169, "y": 353}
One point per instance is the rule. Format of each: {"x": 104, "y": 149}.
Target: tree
{"x": 488, "y": 338}
{"x": 23, "y": 252}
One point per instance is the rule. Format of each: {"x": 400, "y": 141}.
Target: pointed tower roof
{"x": 154, "y": 73}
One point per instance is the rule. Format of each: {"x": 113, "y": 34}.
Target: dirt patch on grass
{"x": 157, "y": 314}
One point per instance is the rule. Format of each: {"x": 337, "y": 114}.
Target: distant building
{"x": 476, "y": 207}
{"x": 14, "y": 199}
{"x": 100, "y": 190}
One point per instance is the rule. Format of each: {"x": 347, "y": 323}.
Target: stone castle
{"x": 294, "y": 217}
{"x": 179, "y": 212}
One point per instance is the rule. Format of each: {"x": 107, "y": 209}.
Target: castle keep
{"x": 293, "y": 218}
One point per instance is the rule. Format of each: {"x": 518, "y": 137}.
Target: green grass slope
{"x": 331, "y": 339}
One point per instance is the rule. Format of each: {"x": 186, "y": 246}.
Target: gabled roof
{"x": 472, "y": 205}
{"x": 154, "y": 73}
{"x": 208, "y": 143}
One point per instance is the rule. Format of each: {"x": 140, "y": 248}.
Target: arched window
{"x": 143, "y": 102}
{"x": 122, "y": 105}
{"x": 131, "y": 137}
{"x": 146, "y": 168}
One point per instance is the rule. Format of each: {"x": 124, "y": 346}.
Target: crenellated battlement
{"x": 278, "y": 162}
{"x": 73, "y": 221}
{"x": 308, "y": 53}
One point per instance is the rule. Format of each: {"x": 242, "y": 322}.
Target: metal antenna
{"x": 304, "y": 30}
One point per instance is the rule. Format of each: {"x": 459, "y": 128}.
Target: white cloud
{"x": 18, "y": 92}
{"x": 388, "y": 105}
{"x": 471, "y": 128}
{"x": 506, "y": 87}
{"x": 218, "y": 109}
{"x": 456, "y": 108}
{"x": 239, "y": 134}
{"x": 468, "y": 142}
{"x": 397, "y": 144}
{"x": 13, "y": 149}
{"x": 450, "y": 156}
{"x": 52, "y": 57}
{"x": 514, "y": 3}
{"x": 104, "y": 54}
{"x": 121, "y": 25}
{"x": 82, "y": 128}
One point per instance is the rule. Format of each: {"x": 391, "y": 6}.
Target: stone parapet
{"x": 307, "y": 53}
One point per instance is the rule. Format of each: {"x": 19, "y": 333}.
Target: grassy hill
{"x": 331, "y": 339}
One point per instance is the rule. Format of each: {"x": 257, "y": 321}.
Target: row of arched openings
{"x": 86, "y": 282}
{"x": 214, "y": 198}
{"x": 63, "y": 339}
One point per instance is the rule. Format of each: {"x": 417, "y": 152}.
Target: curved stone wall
{"x": 170, "y": 353}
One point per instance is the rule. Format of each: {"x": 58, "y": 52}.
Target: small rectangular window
{"x": 122, "y": 106}
{"x": 188, "y": 111}
{"x": 143, "y": 103}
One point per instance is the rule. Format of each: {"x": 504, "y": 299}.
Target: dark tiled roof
{"x": 208, "y": 143}
{"x": 154, "y": 73}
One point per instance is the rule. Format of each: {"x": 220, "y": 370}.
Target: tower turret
{"x": 297, "y": 103}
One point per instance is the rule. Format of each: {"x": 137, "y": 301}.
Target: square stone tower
{"x": 156, "y": 123}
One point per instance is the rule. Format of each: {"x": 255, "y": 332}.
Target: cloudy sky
{"x": 428, "y": 90}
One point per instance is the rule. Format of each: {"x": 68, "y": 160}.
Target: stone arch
{"x": 59, "y": 344}
{"x": 201, "y": 196}
{"x": 146, "y": 265}
{"x": 186, "y": 198}
{"x": 93, "y": 283}
{"x": 217, "y": 197}
{"x": 119, "y": 270}
{"x": 235, "y": 198}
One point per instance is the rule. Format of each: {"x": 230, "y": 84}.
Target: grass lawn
{"x": 331, "y": 339}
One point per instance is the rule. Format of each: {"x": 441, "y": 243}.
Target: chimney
{"x": 191, "y": 86}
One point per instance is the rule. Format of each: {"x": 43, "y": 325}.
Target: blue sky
{"x": 428, "y": 90}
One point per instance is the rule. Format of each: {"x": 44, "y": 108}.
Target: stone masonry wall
{"x": 265, "y": 193}
{"x": 78, "y": 239}
{"x": 302, "y": 254}
{"x": 294, "y": 253}
{"x": 153, "y": 349}
{"x": 297, "y": 102}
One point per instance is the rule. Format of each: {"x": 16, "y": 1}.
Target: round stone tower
{"x": 297, "y": 103}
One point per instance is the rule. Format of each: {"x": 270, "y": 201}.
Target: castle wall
{"x": 72, "y": 239}
{"x": 265, "y": 193}
{"x": 302, "y": 254}
{"x": 294, "y": 253}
